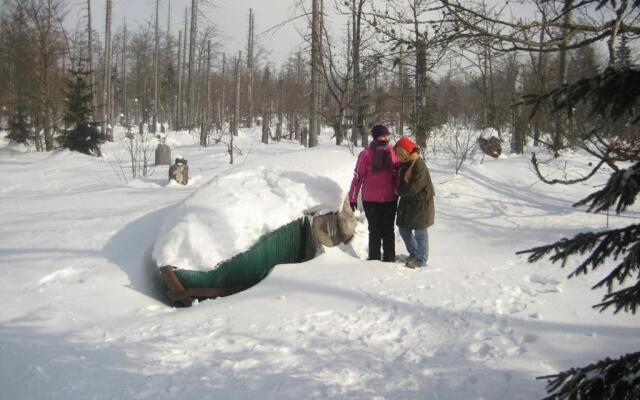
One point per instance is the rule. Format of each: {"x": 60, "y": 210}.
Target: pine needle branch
{"x": 612, "y": 94}
{"x": 622, "y": 187}
{"x": 601, "y": 246}
{"x": 606, "y": 379}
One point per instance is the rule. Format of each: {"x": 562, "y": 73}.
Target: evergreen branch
{"x": 612, "y": 94}
{"x": 564, "y": 248}
{"x": 601, "y": 246}
{"x": 606, "y": 379}
{"x": 622, "y": 187}
{"x": 627, "y": 300}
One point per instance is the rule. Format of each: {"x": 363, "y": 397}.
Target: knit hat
{"x": 406, "y": 144}
{"x": 379, "y": 130}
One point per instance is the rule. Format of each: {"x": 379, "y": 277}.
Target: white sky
{"x": 230, "y": 16}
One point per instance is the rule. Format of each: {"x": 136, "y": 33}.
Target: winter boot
{"x": 411, "y": 263}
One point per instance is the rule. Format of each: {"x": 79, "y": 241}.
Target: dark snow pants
{"x": 381, "y": 218}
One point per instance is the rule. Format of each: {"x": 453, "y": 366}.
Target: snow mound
{"x": 230, "y": 213}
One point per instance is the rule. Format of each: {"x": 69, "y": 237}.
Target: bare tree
{"x": 337, "y": 75}
{"x": 92, "y": 73}
{"x": 250, "y": 68}
{"x": 316, "y": 61}
{"x": 204, "y": 126}
{"x": 562, "y": 122}
{"x": 106, "y": 86}
{"x": 156, "y": 62}
{"x": 222, "y": 105}
{"x": 236, "y": 109}
{"x": 403, "y": 86}
{"x": 416, "y": 24}
{"x": 179, "y": 99}
{"x": 125, "y": 102}
{"x": 192, "y": 53}
{"x": 44, "y": 16}
{"x": 357, "y": 125}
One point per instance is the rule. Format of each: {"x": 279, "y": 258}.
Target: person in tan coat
{"x": 416, "y": 210}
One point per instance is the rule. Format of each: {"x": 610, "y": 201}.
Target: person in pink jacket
{"x": 376, "y": 177}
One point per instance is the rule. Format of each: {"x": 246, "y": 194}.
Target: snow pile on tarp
{"x": 230, "y": 213}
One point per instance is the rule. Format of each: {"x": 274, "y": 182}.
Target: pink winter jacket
{"x": 376, "y": 186}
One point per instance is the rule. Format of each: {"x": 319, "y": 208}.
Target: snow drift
{"x": 230, "y": 213}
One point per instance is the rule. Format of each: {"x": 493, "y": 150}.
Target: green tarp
{"x": 287, "y": 244}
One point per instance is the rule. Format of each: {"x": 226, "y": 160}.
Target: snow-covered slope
{"x": 83, "y": 315}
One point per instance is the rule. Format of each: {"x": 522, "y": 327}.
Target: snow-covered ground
{"x": 83, "y": 315}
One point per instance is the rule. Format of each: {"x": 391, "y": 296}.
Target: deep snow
{"x": 83, "y": 316}
{"x": 231, "y": 212}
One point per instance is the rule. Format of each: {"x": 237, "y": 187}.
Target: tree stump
{"x": 163, "y": 154}
{"x": 491, "y": 147}
{"x": 179, "y": 171}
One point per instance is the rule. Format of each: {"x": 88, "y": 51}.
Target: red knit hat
{"x": 406, "y": 144}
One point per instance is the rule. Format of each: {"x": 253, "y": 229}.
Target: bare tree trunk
{"x": 542, "y": 82}
{"x": 156, "y": 58}
{"x": 233, "y": 125}
{"x": 222, "y": 104}
{"x": 192, "y": 53}
{"x": 168, "y": 108}
{"x": 315, "y": 72}
{"x": 265, "y": 125}
{"x": 144, "y": 111}
{"x": 339, "y": 127}
{"x": 518, "y": 125}
{"x": 199, "y": 82}
{"x": 280, "y": 110}
{"x": 183, "y": 103}
{"x": 204, "y": 127}
{"x": 300, "y": 86}
{"x": 94, "y": 104}
{"x": 401, "y": 77}
{"x": 124, "y": 73}
{"x": 562, "y": 123}
{"x": 107, "y": 72}
{"x": 44, "y": 26}
{"x": 179, "y": 100}
{"x": 421, "y": 93}
{"x": 320, "y": 81}
{"x": 493, "y": 108}
{"x": 357, "y": 125}
{"x": 236, "y": 110}
{"x": 250, "y": 68}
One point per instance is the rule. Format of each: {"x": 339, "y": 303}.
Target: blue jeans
{"x": 417, "y": 243}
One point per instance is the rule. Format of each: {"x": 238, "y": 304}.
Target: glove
{"x": 354, "y": 206}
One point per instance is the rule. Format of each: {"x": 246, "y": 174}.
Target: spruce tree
{"x": 611, "y": 95}
{"x": 20, "y": 129}
{"x": 81, "y": 134}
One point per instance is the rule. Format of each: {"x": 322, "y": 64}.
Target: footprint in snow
{"x": 63, "y": 276}
{"x": 510, "y": 306}
{"x": 542, "y": 280}
{"x": 544, "y": 284}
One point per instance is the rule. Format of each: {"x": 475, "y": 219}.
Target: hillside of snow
{"x": 85, "y": 316}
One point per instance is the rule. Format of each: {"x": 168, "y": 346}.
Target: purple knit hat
{"x": 379, "y": 130}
